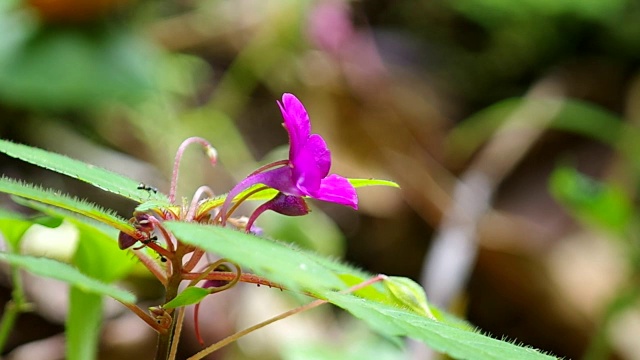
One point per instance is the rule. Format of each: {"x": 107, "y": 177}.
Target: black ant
{"x": 145, "y": 242}
{"x": 145, "y": 187}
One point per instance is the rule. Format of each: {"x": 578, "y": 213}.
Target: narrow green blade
{"x": 56, "y": 270}
{"x": 98, "y": 177}
{"x": 57, "y": 199}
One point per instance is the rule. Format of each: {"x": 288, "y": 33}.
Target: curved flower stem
{"x": 269, "y": 166}
{"x": 237, "y": 203}
{"x": 168, "y": 236}
{"x": 211, "y": 268}
{"x": 202, "y": 190}
{"x": 211, "y": 152}
{"x": 309, "y": 306}
{"x": 207, "y": 271}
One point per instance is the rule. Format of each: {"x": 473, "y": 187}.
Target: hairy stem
{"x": 230, "y": 276}
{"x": 211, "y": 154}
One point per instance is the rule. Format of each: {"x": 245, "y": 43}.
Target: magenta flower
{"x": 304, "y": 174}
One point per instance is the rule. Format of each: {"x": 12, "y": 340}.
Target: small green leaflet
{"x": 191, "y": 295}
{"x": 56, "y": 270}
{"x": 358, "y": 183}
{"x": 409, "y": 294}
{"x": 98, "y": 177}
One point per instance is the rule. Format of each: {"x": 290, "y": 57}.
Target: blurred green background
{"x": 538, "y": 97}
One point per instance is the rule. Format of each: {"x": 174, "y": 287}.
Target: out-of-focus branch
{"x": 449, "y": 262}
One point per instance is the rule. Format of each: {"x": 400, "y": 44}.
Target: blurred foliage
{"x": 57, "y": 67}
{"x": 411, "y": 91}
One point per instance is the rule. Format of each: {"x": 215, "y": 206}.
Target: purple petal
{"x": 283, "y": 204}
{"x": 279, "y": 178}
{"x": 288, "y": 205}
{"x": 296, "y": 122}
{"x": 336, "y": 189}
{"x": 321, "y": 153}
{"x": 311, "y": 164}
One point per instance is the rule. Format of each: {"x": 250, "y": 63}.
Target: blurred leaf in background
{"x": 64, "y": 67}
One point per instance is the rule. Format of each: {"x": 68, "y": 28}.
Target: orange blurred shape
{"x": 74, "y": 11}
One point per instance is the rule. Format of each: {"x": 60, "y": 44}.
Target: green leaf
{"x": 55, "y": 198}
{"x": 281, "y": 263}
{"x": 99, "y": 256}
{"x": 593, "y": 202}
{"x": 98, "y": 177}
{"x": 83, "y": 325}
{"x": 191, "y": 295}
{"x": 453, "y": 341}
{"x": 56, "y": 270}
{"x": 97, "y": 253}
{"x": 297, "y": 270}
{"x": 358, "y": 183}
{"x": 61, "y": 68}
{"x": 409, "y": 294}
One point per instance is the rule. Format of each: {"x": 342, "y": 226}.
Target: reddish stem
{"x": 269, "y": 166}
{"x": 297, "y": 310}
{"x": 236, "y": 204}
{"x": 146, "y": 318}
{"x": 202, "y": 190}
{"x": 229, "y": 276}
{"x": 193, "y": 260}
{"x": 211, "y": 152}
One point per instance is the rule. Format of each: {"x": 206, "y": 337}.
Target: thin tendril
{"x": 211, "y": 268}
{"x": 236, "y": 204}
{"x": 211, "y": 154}
{"x": 269, "y": 166}
{"x": 202, "y": 190}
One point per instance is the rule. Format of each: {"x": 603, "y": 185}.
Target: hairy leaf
{"x": 453, "y": 341}
{"x": 279, "y": 262}
{"x": 98, "y": 177}
{"x": 57, "y": 199}
{"x": 297, "y": 270}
